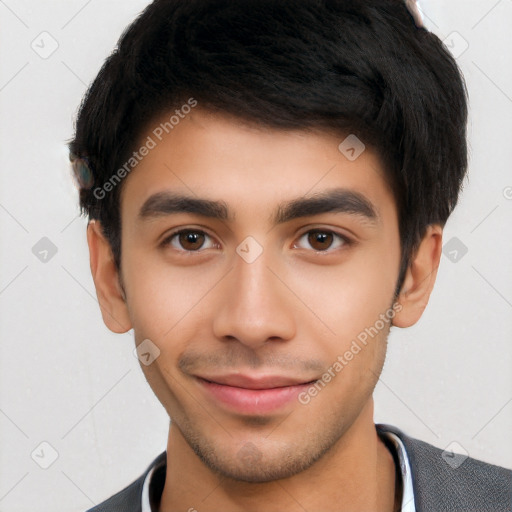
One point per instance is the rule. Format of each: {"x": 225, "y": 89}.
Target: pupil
{"x": 191, "y": 239}
{"x": 320, "y": 238}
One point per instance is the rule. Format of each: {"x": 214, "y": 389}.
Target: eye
{"x": 189, "y": 240}
{"x": 321, "y": 240}
{"x": 193, "y": 240}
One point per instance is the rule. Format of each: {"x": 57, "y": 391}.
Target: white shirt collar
{"x": 405, "y": 470}
{"x": 146, "y": 507}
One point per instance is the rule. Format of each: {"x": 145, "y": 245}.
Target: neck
{"x": 356, "y": 475}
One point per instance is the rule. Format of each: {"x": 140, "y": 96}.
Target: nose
{"x": 254, "y": 304}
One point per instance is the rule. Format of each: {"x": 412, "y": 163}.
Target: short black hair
{"x": 359, "y": 67}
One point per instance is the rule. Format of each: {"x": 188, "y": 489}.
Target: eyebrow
{"x": 338, "y": 200}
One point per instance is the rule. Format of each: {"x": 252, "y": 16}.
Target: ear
{"x": 106, "y": 280}
{"x": 420, "y": 278}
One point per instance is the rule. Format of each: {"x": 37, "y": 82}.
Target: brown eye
{"x": 191, "y": 240}
{"x": 321, "y": 240}
{"x": 188, "y": 240}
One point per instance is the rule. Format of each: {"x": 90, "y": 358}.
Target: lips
{"x": 255, "y": 382}
{"x": 246, "y": 394}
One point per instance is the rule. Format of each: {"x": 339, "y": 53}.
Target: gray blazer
{"x": 474, "y": 486}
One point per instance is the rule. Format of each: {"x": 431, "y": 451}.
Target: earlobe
{"x": 420, "y": 278}
{"x": 105, "y": 274}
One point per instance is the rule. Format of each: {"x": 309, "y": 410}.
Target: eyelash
{"x": 346, "y": 242}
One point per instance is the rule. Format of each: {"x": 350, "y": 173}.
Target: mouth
{"x": 254, "y": 395}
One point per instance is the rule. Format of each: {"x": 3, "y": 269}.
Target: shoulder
{"x": 129, "y": 499}
{"x": 447, "y": 481}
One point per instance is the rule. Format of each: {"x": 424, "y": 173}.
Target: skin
{"x": 292, "y": 312}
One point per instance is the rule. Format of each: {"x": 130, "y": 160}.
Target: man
{"x": 265, "y": 203}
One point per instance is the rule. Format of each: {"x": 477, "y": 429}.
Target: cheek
{"x": 163, "y": 297}
{"x": 351, "y": 296}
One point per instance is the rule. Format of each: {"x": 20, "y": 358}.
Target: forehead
{"x": 250, "y": 168}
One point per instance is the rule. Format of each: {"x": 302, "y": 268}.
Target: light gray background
{"x": 67, "y": 381}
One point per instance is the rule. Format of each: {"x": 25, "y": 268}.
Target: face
{"x": 255, "y": 261}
